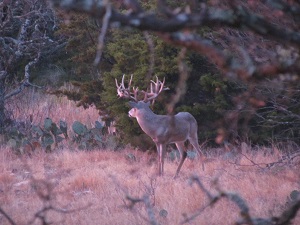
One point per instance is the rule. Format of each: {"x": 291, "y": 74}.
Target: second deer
{"x": 163, "y": 129}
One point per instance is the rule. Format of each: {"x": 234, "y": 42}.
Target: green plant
{"x": 24, "y": 137}
{"x": 88, "y": 138}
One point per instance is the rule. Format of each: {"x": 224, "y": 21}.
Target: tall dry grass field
{"x": 42, "y": 106}
{"x": 95, "y": 187}
{"x": 92, "y": 188}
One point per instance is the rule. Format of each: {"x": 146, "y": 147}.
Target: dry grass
{"x": 95, "y": 184}
{"x": 41, "y": 106}
{"x": 90, "y": 187}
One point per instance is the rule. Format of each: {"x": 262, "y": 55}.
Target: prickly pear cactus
{"x": 48, "y": 135}
{"x": 87, "y": 138}
{"x": 51, "y": 134}
{"x": 79, "y": 128}
{"x": 64, "y": 128}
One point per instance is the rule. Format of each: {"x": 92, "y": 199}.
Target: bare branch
{"x": 181, "y": 86}
{"x": 25, "y": 82}
{"x": 151, "y": 54}
{"x": 146, "y": 201}
{"x": 101, "y": 37}
{"x": 238, "y": 18}
{"x": 246, "y": 218}
{"x": 10, "y": 220}
{"x": 173, "y": 25}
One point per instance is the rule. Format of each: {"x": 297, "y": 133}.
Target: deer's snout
{"x": 131, "y": 112}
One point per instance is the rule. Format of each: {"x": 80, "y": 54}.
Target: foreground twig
{"x": 285, "y": 218}
{"x": 101, "y": 37}
{"x": 177, "y": 28}
{"x": 9, "y": 219}
{"x": 181, "y": 86}
{"x": 145, "y": 199}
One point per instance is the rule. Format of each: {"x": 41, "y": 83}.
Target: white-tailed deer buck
{"x": 163, "y": 129}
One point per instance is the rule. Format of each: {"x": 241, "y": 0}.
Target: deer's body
{"x": 171, "y": 129}
{"x": 163, "y": 129}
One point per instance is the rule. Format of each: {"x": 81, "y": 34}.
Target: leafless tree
{"x": 26, "y": 37}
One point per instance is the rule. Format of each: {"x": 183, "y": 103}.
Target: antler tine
{"x": 122, "y": 83}
{"x": 129, "y": 84}
{"x": 118, "y": 86}
{"x": 151, "y": 88}
{"x": 155, "y": 89}
{"x": 124, "y": 92}
{"x": 155, "y": 84}
{"x": 162, "y": 85}
{"x": 135, "y": 93}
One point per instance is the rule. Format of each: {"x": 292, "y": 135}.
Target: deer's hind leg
{"x": 183, "y": 154}
{"x": 194, "y": 142}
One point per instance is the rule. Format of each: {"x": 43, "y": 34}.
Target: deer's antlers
{"x": 124, "y": 92}
{"x": 155, "y": 89}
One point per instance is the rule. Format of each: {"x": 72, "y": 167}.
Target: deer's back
{"x": 186, "y": 117}
{"x": 175, "y": 128}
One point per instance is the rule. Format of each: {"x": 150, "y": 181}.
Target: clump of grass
{"x": 36, "y": 104}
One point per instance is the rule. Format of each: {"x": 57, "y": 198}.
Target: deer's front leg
{"x": 161, "y": 149}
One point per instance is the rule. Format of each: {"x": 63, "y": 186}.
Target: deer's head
{"x": 137, "y": 106}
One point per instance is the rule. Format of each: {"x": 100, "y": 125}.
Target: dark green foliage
{"x": 130, "y": 52}
{"x": 84, "y": 93}
{"x": 82, "y": 34}
{"x": 209, "y": 97}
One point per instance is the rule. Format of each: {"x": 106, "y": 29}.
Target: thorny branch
{"x": 285, "y": 218}
{"x": 131, "y": 201}
{"x": 172, "y": 27}
{"x": 151, "y": 54}
{"x": 102, "y": 35}
{"x": 10, "y": 220}
{"x": 45, "y": 191}
{"x": 145, "y": 199}
{"x": 259, "y": 165}
{"x": 181, "y": 27}
{"x": 181, "y": 86}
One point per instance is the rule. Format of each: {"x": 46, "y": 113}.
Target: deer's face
{"x": 137, "y": 108}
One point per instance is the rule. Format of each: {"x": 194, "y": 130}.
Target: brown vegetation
{"x": 69, "y": 186}
{"x": 93, "y": 187}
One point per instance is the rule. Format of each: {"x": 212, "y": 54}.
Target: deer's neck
{"x": 147, "y": 120}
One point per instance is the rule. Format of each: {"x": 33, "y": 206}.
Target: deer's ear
{"x": 132, "y": 104}
{"x": 148, "y": 103}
